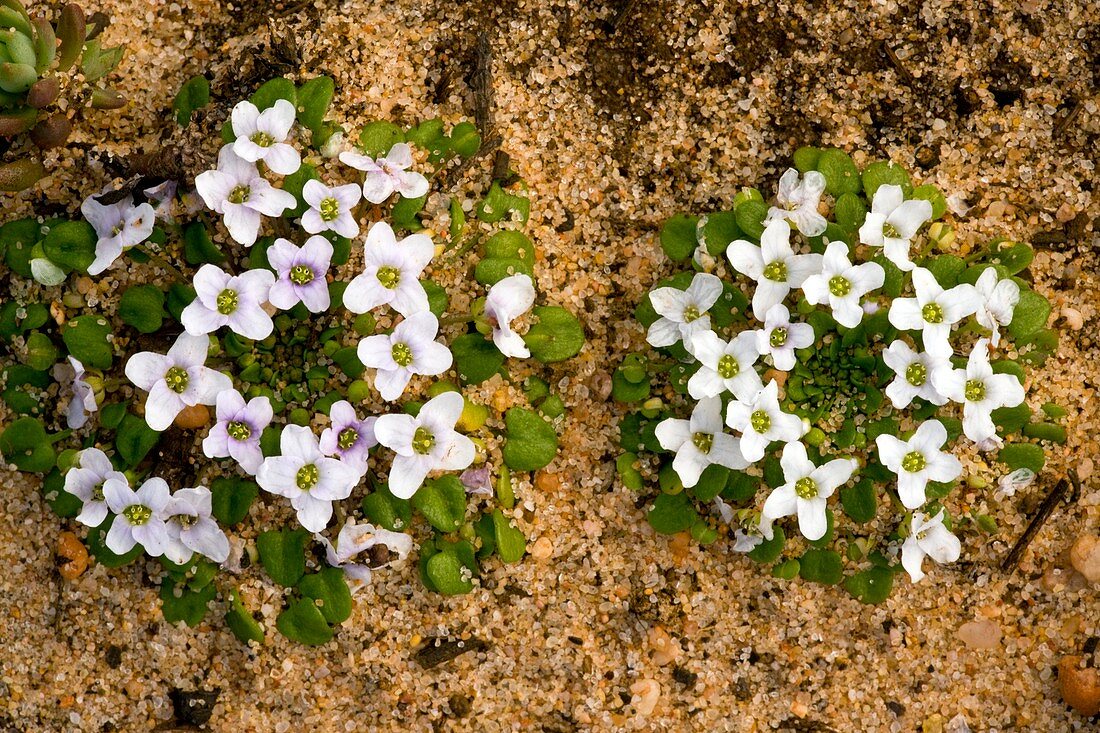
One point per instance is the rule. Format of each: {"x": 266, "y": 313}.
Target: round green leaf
{"x": 193, "y": 95}
{"x": 283, "y": 555}
{"x": 442, "y": 502}
{"x": 70, "y": 245}
{"x": 303, "y": 622}
{"x": 558, "y": 335}
{"x": 1030, "y": 316}
{"x": 376, "y": 138}
{"x": 41, "y": 352}
{"x": 841, "y": 174}
{"x": 142, "y": 307}
{"x": 678, "y": 238}
{"x": 86, "y": 338}
{"x": 25, "y": 444}
{"x": 872, "y": 585}
{"x": 314, "y": 98}
{"x": 821, "y": 566}
{"x": 672, "y": 513}
{"x": 476, "y": 358}
{"x": 530, "y": 441}
{"x": 510, "y": 542}
{"x": 231, "y": 499}
{"x": 180, "y": 603}
{"x": 330, "y": 592}
{"x": 447, "y": 574}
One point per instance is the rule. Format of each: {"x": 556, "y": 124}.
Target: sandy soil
{"x": 619, "y": 116}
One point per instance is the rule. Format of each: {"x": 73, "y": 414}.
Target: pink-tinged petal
{"x": 146, "y": 368}
{"x": 284, "y": 295}
{"x": 198, "y": 320}
{"x": 315, "y": 296}
{"x": 365, "y": 293}
{"x": 396, "y": 432}
{"x": 300, "y": 442}
{"x": 282, "y": 255}
{"x": 120, "y": 538}
{"x": 812, "y": 522}
{"x": 245, "y": 149}
{"x": 409, "y": 297}
{"x": 154, "y": 494}
{"x": 248, "y": 455}
{"x": 206, "y": 538}
{"x": 214, "y": 188}
{"x": 251, "y": 322}
{"x": 317, "y": 253}
{"x": 391, "y": 383}
{"x": 313, "y": 223}
{"x": 407, "y": 475}
{"x": 358, "y": 161}
{"x": 206, "y": 385}
{"x": 345, "y": 225}
{"x": 378, "y": 186}
{"x": 313, "y": 513}
{"x": 209, "y": 282}
{"x": 92, "y": 514}
{"x": 271, "y": 201}
{"x": 282, "y": 159}
{"x": 243, "y": 223}
{"x": 400, "y": 155}
{"x": 216, "y": 443}
{"x": 314, "y": 192}
{"x": 279, "y": 475}
{"x": 117, "y": 494}
{"x": 336, "y": 480}
{"x": 260, "y": 411}
{"x": 230, "y": 404}
{"x": 411, "y": 185}
{"x": 162, "y": 406}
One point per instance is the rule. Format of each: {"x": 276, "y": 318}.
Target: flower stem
{"x": 456, "y": 319}
{"x": 161, "y": 262}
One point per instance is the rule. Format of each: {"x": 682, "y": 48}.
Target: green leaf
{"x": 805, "y": 159}
{"x": 283, "y": 555}
{"x": 510, "y": 542}
{"x": 231, "y": 499}
{"x": 672, "y": 513}
{"x": 499, "y": 204}
{"x": 678, "y": 238}
{"x": 404, "y": 213}
{"x": 1011, "y": 419}
{"x": 97, "y": 61}
{"x": 198, "y": 248}
{"x": 314, "y": 98}
{"x": 25, "y": 444}
{"x": 1045, "y": 431}
{"x": 180, "y": 603}
{"x": 274, "y": 90}
{"x": 62, "y": 502}
{"x": 347, "y": 359}
{"x": 492, "y": 270}
{"x": 769, "y": 551}
{"x": 442, "y": 502}
{"x": 330, "y": 593}
{"x": 134, "y": 439}
{"x": 883, "y": 172}
{"x": 180, "y": 296}
{"x": 41, "y": 352}
{"x": 376, "y": 138}
{"x": 70, "y": 245}
{"x": 510, "y": 244}
{"x": 946, "y": 269}
{"x": 872, "y": 585}
{"x": 438, "y": 300}
{"x": 1014, "y": 257}
{"x": 750, "y": 218}
{"x": 386, "y": 510}
{"x": 476, "y": 358}
{"x": 821, "y": 566}
{"x": 841, "y": 174}
{"x": 86, "y": 338}
{"x": 850, "y": 211}
{"x": 302, "y": 622}
{"x": 1023, "y": 455}
{"x": 142, "y": 306}
{"x": 556, "y": 336}
{"x": 719, "y": 229}
{"x": 859, "y": 501}
{"x": 623, "y": 390}
{"x": 711, "y": 483}
{"x": 1030, "y": 316}
{"x": 193, "y": 95}
{"x": 530, "y": 441}
{"x": 241, "y": 622}
{"x": 465, "y": 139}
{"x": 931, "y": 193}
{"x": 17, "y": 238}
{"x": 447, "y": 574}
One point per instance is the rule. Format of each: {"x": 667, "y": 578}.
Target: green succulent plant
{"x": 42, "y": 63}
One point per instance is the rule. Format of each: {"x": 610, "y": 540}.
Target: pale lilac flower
{"x": 745, "y": 542}
{"x": 892, "y": 223}
{"x": 347, "y": 437}
{"x": 1010, "y": 483}
{"x": 914, "y": 375}
{"x": 391, "y": 272}
{"x": 229, "y": 300}
{"x": 409, "y": 350}
{"x": 918, "y": 460}
{"x": 806, "y": 491}
{"x": 190, "y": 527}
{"x": 425, "y": 443}
{"x": 997, "y": 302}
{"x": 311, "y": 480}
{"x": 387, "y": 174}
{"x": 262, "y": 135}
{"x": 773, "y": 265}
{"x": 761, "y": 422}
{"x": 85, "y": 481}
{"x": 683, "y": 312}
{"x": 161, "y": 198}
{"x": 842, "y": 285}
{"x": 118, "y": 226}
{"x": 82, "y": 401}
{"x": 980, "y": 391}
{"x": 139, "y": 516}
{"x": 509, "y": 299}
{"x": 779, "y": 337}
{"x": 700, "y": 442}
{"x": 236, "y": 434}
{"x": 724, "y": 366}
{"x": 300, "y": 273}
{"x": 238, "y": 192}
{"x": 933, "y": 311}
{"x": 176, "y": 380}
{"x": 331, "y": 209}
{"x": 476, "y": 481}
{"x": 928, "y": 537}
{"x": 355, "y": 539}
{"x": 798, "y": 201}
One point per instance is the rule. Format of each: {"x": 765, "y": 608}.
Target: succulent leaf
{"x": 71, "y": 29}
{"x": 45, "y": 45}
{"x": 17, "y": 78}
{"x": 20, "y": 174}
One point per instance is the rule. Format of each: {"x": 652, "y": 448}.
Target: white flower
{"x": 918, "y": 461}
{"x": 139, "y": 516}
{"x": 761, "y": 422}
{"x": 355, "y": 539}
{"x": 842, "y": 285}
{"x": 424, "y": 443}
{"x": 391, "y": 272}
{"x": 331, "y": 209}
{"x": 933, "y": 311}
{"x": 892, "y": 223}
{"x": 700, "y": 442}
{"x": 779, "y": 337}
{"x": 914, "y": 375}
{"x": 725, "y": 366}
{"x": 507, "y": 300}
{"x": 683, "y": 312}
{"x": 997, "y": 302}
{"x": 300, "y": 273}
{"x": 388, "y": 174}
{"x": 83, "y": 399}
{"x": 410, "y": 349}
{"x": 161, "y": 197}
{"x": 347, "y": 437}
{"x": 85, "y": 481}
{"x": 928, "y": 538}
{"x": 238, "y": 192}
{"x": 311, "y": 480}
{"x": 1010, "y": 483}
{"x": 980, "y": 391}
{"x": 798, "y": 201}
{"x": 261, "y": 136}
{"x": 236, "y": 434}
{"x": 118, "y": 226}
{"x": 176, "y": 380}
{"x": 191, "y": 529}
{"x": 805, "y": 492}
{"x": 773, "y": 265}
{"x": 236, "y": 301}
{"x": 744, "y": 541}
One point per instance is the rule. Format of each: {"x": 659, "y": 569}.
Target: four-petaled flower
{"x": 391, "y": 272}
{"x": 928, "y": 537}
{"x": 806, "y": 491}
{"x": 83, "y": 398}
{"x": 118, "y": 226}
{"x": 310, "y": 479}
{"x": 892, "y": 223}
{"x": 355, "y": 539}
{"x": 933, "y": 311}
{"x": 798, "y": 202}
{"x": 236, "y": 434}
{"x": 262, "y": 135}
{"x": 779, "y": 337}
{"x": 724, "y": 366}
{"x": 191, "y": 529}
{"x": 773, "y": 265}
{"x": 914, "y": 375}
{"x": 918, "y": 460}
{"x": 410, "y": 349}
{"x": 842, "y": 285}
{"x": 238, "y": 192}
{"x": 424, "y": 443}
{"x": 85, "y": 481}
{"x": 236, "y": 301}
{"x": 387, "y": 174}
{"x": 507, "y": 300}
{"x": 331, "y": 209}
{"x": 700, "y": 442}
{"x": 139, "y": 516}
{"x": 347, "y": 437}
{"x": 997, "y": 302}
{"x": 761, "y": 422}
{"x": 176, "y": 380}
{"x": 300, "y": 273}
{"x": 683, "y": 312}
{"x": 980, "y": 391}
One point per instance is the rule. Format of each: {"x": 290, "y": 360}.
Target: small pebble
{"x": 193, "y": 417}
{"x": 981, "y": 634}
{"x": 1085, "y": 557}
{"x": 646, "y": 694}
{"x": 543, "y": 548}
{"x": 1080, "y": 687}
{"x": 72, "y": 556}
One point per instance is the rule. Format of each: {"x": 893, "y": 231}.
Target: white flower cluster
{"x": 753, "y": 411}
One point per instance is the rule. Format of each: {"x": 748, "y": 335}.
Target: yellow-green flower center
{"x": 239, "y": 194}
{"x": 347, "y": 438}
{"x": 889, "y": 230}
{"x": 776, "y": 271}
{"x": 974, "y": 390}
{"x": 691, "y": 313}
{"x": 840, "y": 285}
{"x": 227, "y": 301}
{"x": 778, "y": 337}
{"x": 329, "y": 209}
{"x": 262, "y": 139}
{"x": 422, "y": 441}
{"x": 388, "y": 276}
{"x": 916, "y": 374}
{"x": 760, "y": 421}
{"x": 932, "y": 313}
{"x": 703, "y": 441}
{"x": 137, "y": 514}
{"x": 176, "y": 378}
{"x": 301, "y": 275}
{"x": 914, "y": 461}
{"x": 805, "y": 488}
{"x": 186, "y": 520}
{"x": 307, "y": 477}
{"x": 238, "y": 430}
{"x": 401, "y": 354}
{"x": 728, "y": 367}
